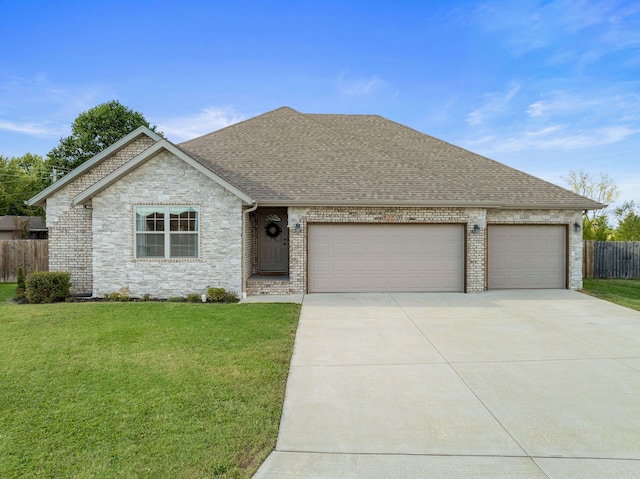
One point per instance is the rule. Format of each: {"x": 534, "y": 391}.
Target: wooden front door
{"x": 273, "y": 240}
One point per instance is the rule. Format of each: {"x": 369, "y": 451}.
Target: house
{"x": 22, "y": 227}
{"x": 288, "y": 202}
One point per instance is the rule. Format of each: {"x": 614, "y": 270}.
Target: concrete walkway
{"x": 507, "y": 384}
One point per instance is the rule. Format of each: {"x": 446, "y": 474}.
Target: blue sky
{"x": 543, "y": 86}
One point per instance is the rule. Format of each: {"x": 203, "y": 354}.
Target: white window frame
{"x": 166, "y": 209}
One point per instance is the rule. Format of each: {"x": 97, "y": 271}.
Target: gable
{"x": 101, "y": 171}
{"x": 136, "y": 141}
{"x": 142, "y": 158}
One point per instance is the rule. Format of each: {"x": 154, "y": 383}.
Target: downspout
{"x": 245, "y": 218}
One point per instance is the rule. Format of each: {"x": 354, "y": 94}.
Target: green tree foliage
{"x": 597, "y": 229}
{"x": 20, "y": 179}
{"x": 602, "y": 189}
{"x": 93, "y": 131}
{"x": 21, "y": 286}
{"x": 629, "y": 223}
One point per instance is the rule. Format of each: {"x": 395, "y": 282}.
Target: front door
{"x": 273, "y": 240}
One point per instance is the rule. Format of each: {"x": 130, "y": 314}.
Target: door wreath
{"x": 273, "y": 230}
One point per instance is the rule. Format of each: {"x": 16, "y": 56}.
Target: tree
{"x": 629, "y": 222}
{"x": 20, "y": 179}
{"x": 602, "y": 189}
{"x": 597, "y": 229}
{"x": 93, "y": 131}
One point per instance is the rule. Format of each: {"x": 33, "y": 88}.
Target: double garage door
{"x": 409, "y": 257}
{"x": 385, "y": 257}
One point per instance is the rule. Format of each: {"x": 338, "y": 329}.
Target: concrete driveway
{"x": 505, "y": 384}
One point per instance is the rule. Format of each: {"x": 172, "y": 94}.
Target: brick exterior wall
{"x": 262, "y": 286}
{"x": 250, "y": 247}
{"x": 166, "y": 180}
{"x": 70, "y": 238}
{"x": 476, "y": 246}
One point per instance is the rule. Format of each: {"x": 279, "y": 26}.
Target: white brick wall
{"x": 166, "y": 179}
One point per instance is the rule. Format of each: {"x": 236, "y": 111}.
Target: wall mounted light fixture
{"x": 577, "y": 226}
{"x": 476, "y": 229}
{"x": 297, "y": 228}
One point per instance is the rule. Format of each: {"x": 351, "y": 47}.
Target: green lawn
{"x": 625, "y": 292}
{"x": 140, "y": 390}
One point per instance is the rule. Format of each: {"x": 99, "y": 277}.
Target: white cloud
{"x": 561, "y": 102}
{"x": 495, "y": 104}
{"x": 574, "y": 31}
{"x": 184, "y": 128}
{"x": 34, "y": 129}
{"x": 563, "y": 118}
{"x": 360, "y": 86}
{"x": 34, "y": 106}
{"x": 556, "y": 137}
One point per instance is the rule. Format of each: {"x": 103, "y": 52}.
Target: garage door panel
{"x": 526, "y": 256}
{"x": 376, "y": 266}
{"x": 381, "y": 258}
{"x": 358, "y": 265}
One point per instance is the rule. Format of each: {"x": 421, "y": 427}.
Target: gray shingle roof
{"x": 288, "y": 157}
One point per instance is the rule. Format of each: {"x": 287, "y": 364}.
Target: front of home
{"x": 292, "y": 203}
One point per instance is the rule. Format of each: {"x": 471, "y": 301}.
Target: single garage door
{"x": 531, "y": 256}
{"x": 385, "y": 258}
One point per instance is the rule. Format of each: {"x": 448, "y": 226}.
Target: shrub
{"x": 145, "y": 297}
{"x": 215, "y": 295}
{"x": 21, "y": 288}
{"x": 176, "y": 299}
{"x": 194, "y": 298}
{"x": 47, "y": 286}
{"x": 122, "y": 295}
{"x": 219, "y": 295}
{"x": 111, "y": 296}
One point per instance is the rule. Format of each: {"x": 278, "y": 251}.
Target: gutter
{"x": 432, "y": 204}
{"x": 245, "y": 217}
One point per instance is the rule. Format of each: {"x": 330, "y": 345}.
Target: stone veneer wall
{"x": 70, "y": 238}
{"x": 166, "y": 180}
{"x": 475, "y": 247}
{"x": 550, "y": 217}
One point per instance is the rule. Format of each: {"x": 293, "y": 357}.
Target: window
{"x": 167, "y": 231}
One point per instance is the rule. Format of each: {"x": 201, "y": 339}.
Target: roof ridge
{"x": 344, "y": 114}
{"x": 242, "y": 122}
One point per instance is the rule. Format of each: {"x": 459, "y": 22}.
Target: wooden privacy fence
{"x": 32, "y": 255}
{"x": 611, "y": 259}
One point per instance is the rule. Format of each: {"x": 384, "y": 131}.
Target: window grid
{"x": 180, "y": 240}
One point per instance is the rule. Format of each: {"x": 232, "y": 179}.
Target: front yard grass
{"x": 625, "y": 292}
{"x": 141, "y": 390}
